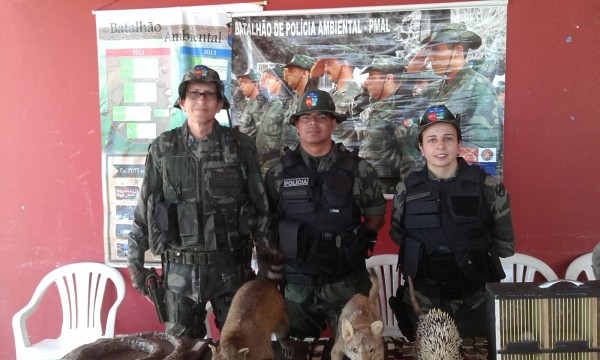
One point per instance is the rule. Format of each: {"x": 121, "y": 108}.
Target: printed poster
{"x": 379, "y": 46}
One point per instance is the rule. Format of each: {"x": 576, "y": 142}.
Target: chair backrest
{"x": 81, "y": 287}
{"x": 389, "y": 280}
{"x": 522, "y": 268}
{"x": 583, "y": 264}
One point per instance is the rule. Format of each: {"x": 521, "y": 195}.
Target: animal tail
{"x": 374, "y": 292}
{"x": 270, "y": 264}
{"x": 413, "y": 298}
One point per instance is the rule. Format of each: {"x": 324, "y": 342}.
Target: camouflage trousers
{"x": 186, "y": 317}
{"x": 312, "y": 308}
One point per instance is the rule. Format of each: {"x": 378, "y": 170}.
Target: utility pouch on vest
{"x": 496, "y": 270}
{"x": 465, "y": 208}
{"x": 413, "y": 252}
{"x": 288, "y": 237}
{"x": 336, "y": 190}
{"x": 162, "y": 224}
{"x": 441, "y": 267}
{"x": 423, "y": 211}
{"x": 474, "y": 266}
{"x": 190, "y": 229}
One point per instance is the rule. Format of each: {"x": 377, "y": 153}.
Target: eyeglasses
{"x": 319, "y": 118}
{"x": 208, "y": 95}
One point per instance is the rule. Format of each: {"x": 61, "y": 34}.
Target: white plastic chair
{"x": 522, "y": 268}
{"x": 582, "y": 264}
{"x": 389, "y": 280}
{"x": 81, "y": 287}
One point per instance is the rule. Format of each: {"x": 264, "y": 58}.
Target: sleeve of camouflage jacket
{"x": 396, "y": 228}
{"x": 502, "y": 233}
{"x": 256, "y": 191}
{"x": 138, "y": 237}
{"x": 372, "y": 202}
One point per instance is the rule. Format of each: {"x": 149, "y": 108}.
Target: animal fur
{"x": 257, "y": 310}
{"x": 437, "y": 336}
{"x": 359, "y": 336}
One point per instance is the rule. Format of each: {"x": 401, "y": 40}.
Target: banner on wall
{"x": 142, "y": 56}
{"x": 384, "y": 66}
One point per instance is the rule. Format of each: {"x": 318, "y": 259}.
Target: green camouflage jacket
{"x": 343, "y": 98}
{"x": 389, "y": 141}
{"x": 153, "y": 186}
{"x": 472, "y": 96}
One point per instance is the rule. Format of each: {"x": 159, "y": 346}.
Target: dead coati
{"x": 360, "y": 327}
{"x": 437, "y": 335}
{"x": 257, "y": 310}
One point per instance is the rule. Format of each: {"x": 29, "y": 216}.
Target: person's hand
{"x": 138, "y": 276}
{"x": 318, "y": 69}
{"x": 419, "y": 62}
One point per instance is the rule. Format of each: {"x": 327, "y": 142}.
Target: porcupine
{"x": 437, "y": 335}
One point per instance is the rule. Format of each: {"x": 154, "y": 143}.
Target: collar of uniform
{"x": 461, "y": 163}
{"x": 324, "y": 161}
{"x": 185, "y": 131}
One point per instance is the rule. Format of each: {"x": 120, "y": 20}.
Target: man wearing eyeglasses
{"x": 202, "y": 202}
{"x": 329, "y": 206}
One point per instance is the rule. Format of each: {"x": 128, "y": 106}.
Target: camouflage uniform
{"x": 250, "y": 116}
{"x": 469, "y": 94}
{"x": 472, "y": 96}
{"x": 389, "y": 142}
{"x": 274, "y": 131}
{"x": 209, "y": 197}
{"x": 251, "y": 112}
{"x": 328, "y": 298}
{"x": 469, "y": 310}
{"x": 343, "y": 98}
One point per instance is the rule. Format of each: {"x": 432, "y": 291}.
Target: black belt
{"x": 204, "y": 257}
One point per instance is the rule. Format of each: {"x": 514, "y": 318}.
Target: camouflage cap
{"x": 316, "y": 100}
{"x": 453, "y": 33}
{"x": 386, "y": 64}
{"x": 340, "y": 52}
{"x": 438, "y": 114}
{"x": 201, "y": 73}
{"x": 302, "y": 61}
{"x": 276, "y": 70}
{"x": 252, "y": 74}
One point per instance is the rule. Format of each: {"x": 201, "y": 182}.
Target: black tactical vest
{"x": 447, "y": 217}
{"x": 323, "y": 203}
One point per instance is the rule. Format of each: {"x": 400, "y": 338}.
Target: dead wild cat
{"x": 360, "y": 327}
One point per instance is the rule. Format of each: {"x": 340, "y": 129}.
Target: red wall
{"x": 52, "y": 213}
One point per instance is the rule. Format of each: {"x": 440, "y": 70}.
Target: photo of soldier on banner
{"x": 383, "y": 69}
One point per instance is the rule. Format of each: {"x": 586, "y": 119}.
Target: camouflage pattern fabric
{"x": 472, "y": 96}
{"x": 390, "y": 139}
{"x": 274, "y": 133}
{"x": 186, "y": 277}
{"x": 250, "y": 117}
{"x": 343, "y": 98}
